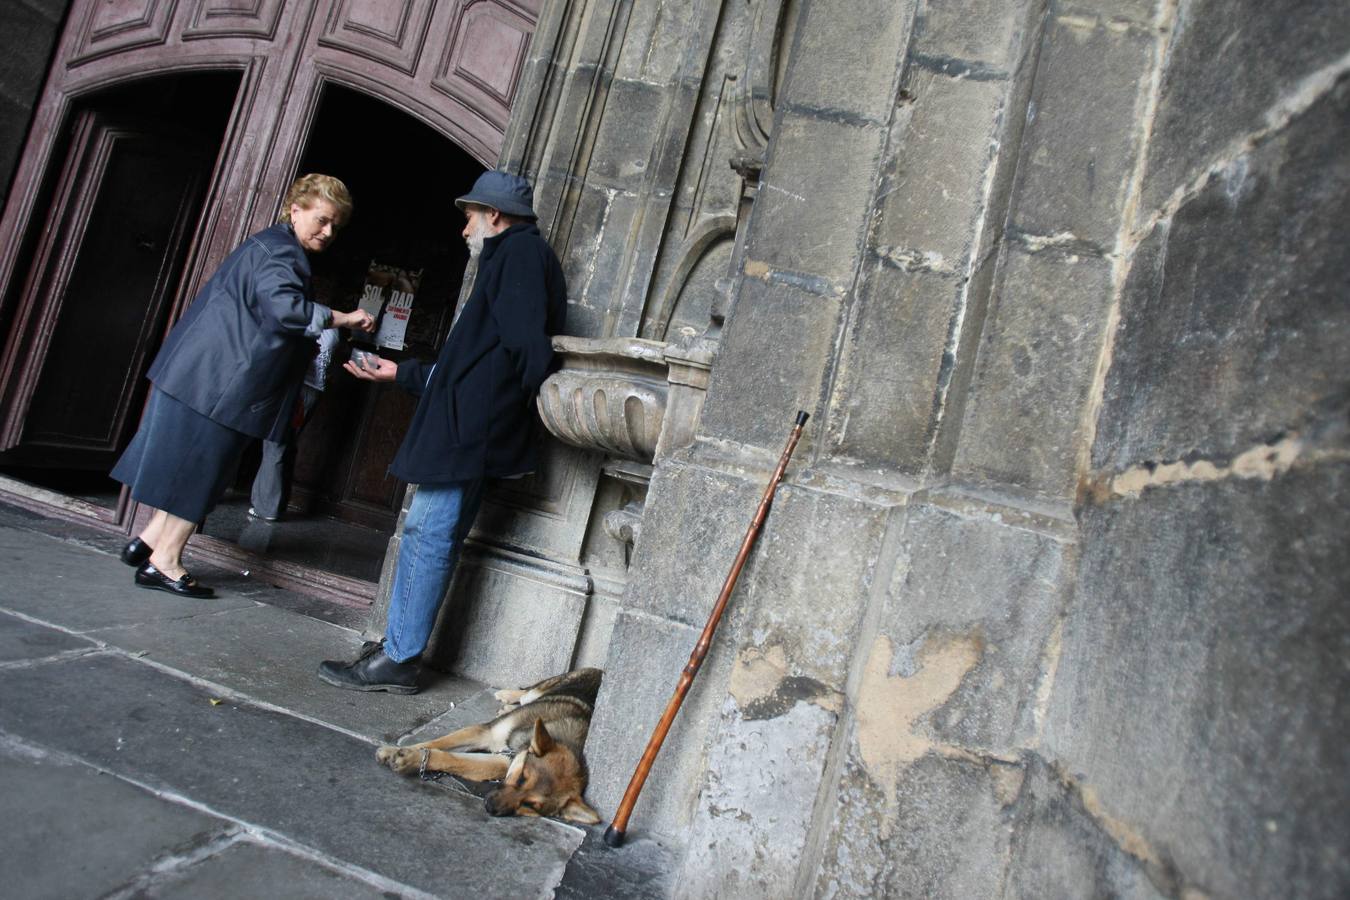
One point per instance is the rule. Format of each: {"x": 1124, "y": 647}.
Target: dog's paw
{"x": 386, "y": 754}
{"x": 402, "y": 760}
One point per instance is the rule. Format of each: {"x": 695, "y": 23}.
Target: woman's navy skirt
{"x": 179, "y": 461}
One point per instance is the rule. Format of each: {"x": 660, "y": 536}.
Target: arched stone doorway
{"x": 407, "y": 101}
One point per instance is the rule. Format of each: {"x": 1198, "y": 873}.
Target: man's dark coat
{"x": 238, "y": 354}
{"x": 476, "y": 416}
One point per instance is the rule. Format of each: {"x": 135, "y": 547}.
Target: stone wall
{"x": 1052, "y": 602}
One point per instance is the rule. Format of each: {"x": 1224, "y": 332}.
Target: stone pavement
{"x": 152, "y": 746}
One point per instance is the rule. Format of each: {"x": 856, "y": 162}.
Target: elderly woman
{"x": 230, "y": 371}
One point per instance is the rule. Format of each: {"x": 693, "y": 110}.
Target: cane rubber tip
{"x": 613, "y": 838}
{"x": 802, "y": 416}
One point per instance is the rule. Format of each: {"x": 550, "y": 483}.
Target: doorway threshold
{"x": 311, "y": 580}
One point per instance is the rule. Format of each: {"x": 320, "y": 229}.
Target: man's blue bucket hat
{"x": 501, "y": 190}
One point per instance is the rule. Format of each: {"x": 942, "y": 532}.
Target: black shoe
{"x": 372, "y": 671}
{"x": 147, "y": 576}
{"x": 136, "y": 553}
{"x": 254, "y": 514}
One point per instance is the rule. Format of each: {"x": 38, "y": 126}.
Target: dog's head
{"x": 546, "y": 779}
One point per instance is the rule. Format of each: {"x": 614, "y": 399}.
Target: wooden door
{"x": 99, "y": 292}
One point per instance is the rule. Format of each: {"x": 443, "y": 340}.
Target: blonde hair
{"x": 312, "y": 187}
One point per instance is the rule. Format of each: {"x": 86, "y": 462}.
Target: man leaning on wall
{"x": 475, "y": 418}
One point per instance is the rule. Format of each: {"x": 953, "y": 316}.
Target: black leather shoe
{"x": 136, "y": 553}
{"x": 148, "y": 576}
{"x": 372, "y": 671}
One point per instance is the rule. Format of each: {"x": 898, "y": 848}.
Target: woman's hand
{"x": 376, "y": 368}
{"x": 357, "y": 319}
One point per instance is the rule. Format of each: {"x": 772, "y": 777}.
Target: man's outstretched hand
{"x": 376, "y": 368}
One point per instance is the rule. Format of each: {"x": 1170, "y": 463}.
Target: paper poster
{"x": 388, "y": 295}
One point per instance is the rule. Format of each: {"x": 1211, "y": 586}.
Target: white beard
{"x": 475, "y": 240}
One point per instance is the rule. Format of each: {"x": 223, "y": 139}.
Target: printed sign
{"x": 388, "y": 295}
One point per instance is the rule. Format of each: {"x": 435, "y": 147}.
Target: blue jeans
{"x": 438, "y": 520}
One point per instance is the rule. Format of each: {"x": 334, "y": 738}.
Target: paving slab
{"x": 23, "y": 640}
{"x": 252, "y": 870}
{"x": 82, "y": 590}
{"x": 321, "y": 788}
{"x": 71, "y": 831}
{"x": 272, "y": 655}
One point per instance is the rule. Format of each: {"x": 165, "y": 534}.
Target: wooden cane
{"x": 614, "y": 834}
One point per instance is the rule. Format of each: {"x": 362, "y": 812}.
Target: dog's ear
{"x": 576, "y": 810}
{"x": 542, "y": 742}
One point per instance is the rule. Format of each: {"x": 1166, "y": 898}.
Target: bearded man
{"x": 475, "y": 418}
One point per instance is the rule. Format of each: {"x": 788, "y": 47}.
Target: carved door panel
{"x": 100, "y": 290}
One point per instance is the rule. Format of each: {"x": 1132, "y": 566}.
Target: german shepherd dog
{"x": 544, "y": 725}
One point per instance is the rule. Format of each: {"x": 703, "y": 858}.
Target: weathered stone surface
{"x": 936, "y": 190}
{"x": 971, "y": 577}
{"x": 596, "y": 247}
{"x": 93, "y": 829}
{"x": 646, "y": 658}
{"x": 68, "y": 599}
{"x": 515, "y": 630}
{"x": 632, "y": 123}
{"x": 274, "y": 771}
{"x": 1230, "y": 62}
{"x": 939, "y": 831}
{"x": 848, "y": 65}
{"x": 252, "y": 870}
{"x": 272, "y": 655}
{"x": 1234, "y": 325}
{"x": 985, "y": 31}
{"x": 24, "y": 640}
{"x": 754, "y": 813}
{"x": 884, "y": 402}
{"x": 1061, "y": 850}
{"x": 775, "y": 354}
{"x": 1023, "y": 418}
{"x": 803, "y": 583}
{"x": 813, "y": 198}
{"x": 701, "y": 518}
{"x": 1079, "y": 148}
{"x": 1201, "y": 690}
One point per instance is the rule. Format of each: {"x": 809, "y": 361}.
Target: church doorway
{"x": 104, "y": 265}
{"x": 404, "y": 237}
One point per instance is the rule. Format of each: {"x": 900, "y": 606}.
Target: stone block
{"x": 597, "y": 242}
{"x": 974, "y": 580}
{"x": 252, "y": 870}
{"x": 646, "y": 658}
{"x": 144, "y": 725}
{"x": 1080, "y": 144}
{"x": 633, "y": 121}
{"x": 1233, "y": 321}
{"x": 848, "y": 64}
{"x": 814, "y": 196}
{"x": 932, "y": 828}
{"x": 1061, "y": 850}
{"x": 1024, "y": 411}
{"x": 972, "y": 31}
{"x": 806, "y": 592}
{"x": 1139, "y": 13}
{"x": 508, "y": 622}
{"x": 693, "y": 525}
{"x": 1230, "y": 63}
{"x": 23, "y": 640}
{"x": 754, "y": 812}
{"x": 775, "y": 353}
{"x": 1201, "y": 689}
{"x": 71, "y": 831}
{"x": 885, "y": 399}
{"x": 656, "y": 39}
{"x": 937, "y": 185}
